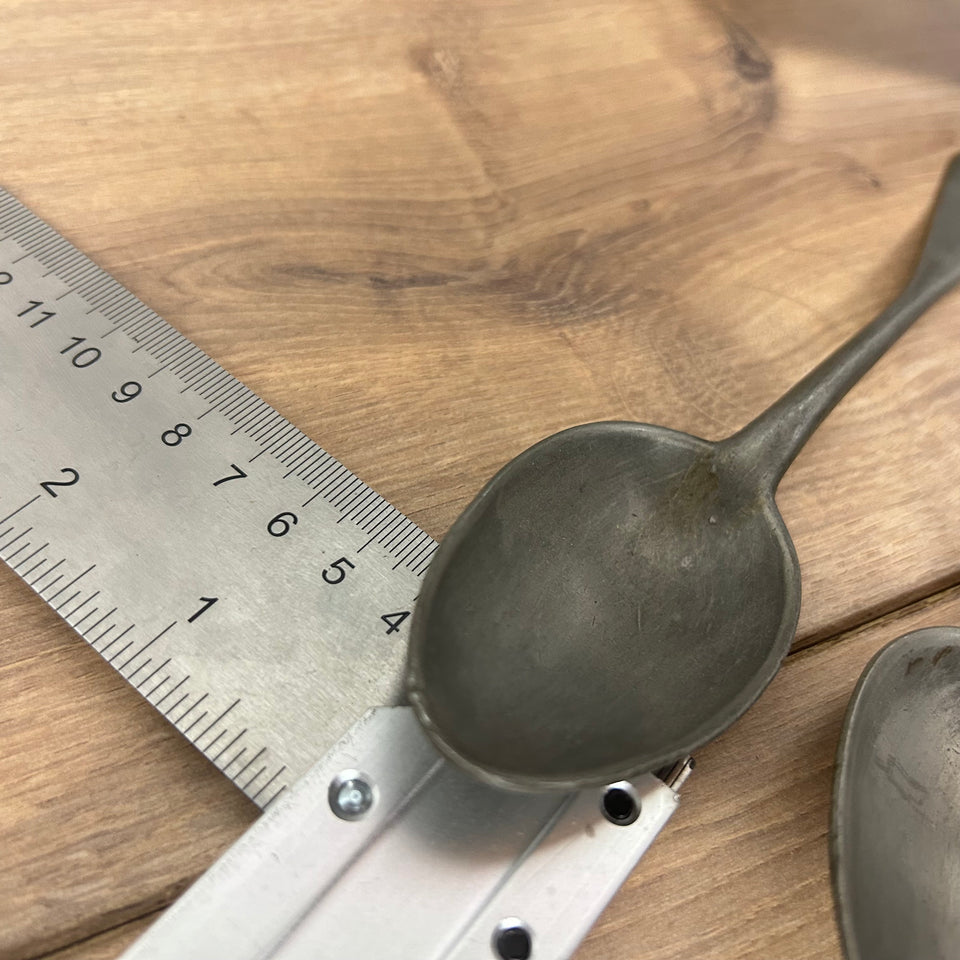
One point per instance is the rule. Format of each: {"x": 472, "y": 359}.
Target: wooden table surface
{"x": 431, "y": 233}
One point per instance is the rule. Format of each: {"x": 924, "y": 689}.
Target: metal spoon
{"x": 895, "y": 837}
{"x": 620, "y": 593}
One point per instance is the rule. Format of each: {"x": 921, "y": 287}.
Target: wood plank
{"x": 463, "y": 228}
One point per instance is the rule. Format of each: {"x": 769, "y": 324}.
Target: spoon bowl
{"x": 662, "y": 557}
{"x": 895, "y": 829}
{"x": 618, "y": 594}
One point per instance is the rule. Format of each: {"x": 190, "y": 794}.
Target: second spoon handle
{"x": 766, "y": 446}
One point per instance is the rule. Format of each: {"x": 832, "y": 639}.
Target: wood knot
{"x": 749, "y": 58}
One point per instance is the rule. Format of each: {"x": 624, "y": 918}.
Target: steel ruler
{"x": 205, "y": 547}
{"x": 252, "y": 589}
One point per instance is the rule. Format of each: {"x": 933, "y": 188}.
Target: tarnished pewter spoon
{"x": 618, "y": 594}
{"x": 895, "y": 837}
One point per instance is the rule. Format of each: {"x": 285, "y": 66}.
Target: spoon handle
{"x": 766, "y": 446}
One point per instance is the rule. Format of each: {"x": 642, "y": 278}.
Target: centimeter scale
{"x": 258, "y": 594}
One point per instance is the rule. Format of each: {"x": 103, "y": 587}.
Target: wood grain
{"x": 431, "y": 234}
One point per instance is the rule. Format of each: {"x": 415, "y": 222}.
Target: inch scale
{"x": 258, "y": 594}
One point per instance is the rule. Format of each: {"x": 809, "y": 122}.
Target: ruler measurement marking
{"x": 109, "y": 613}
{"x": 24, "y": 507}
{"x": 317, "y": 470}
{"x": 153, "y": 690}
{"x": 238, "y": 399}
{"x": 117, "y": 638}
{"x": 209, "y": 391}
{"x": 146, "y": 327}
{"x": 224, "y": 749}
{"x": 305, "y": 454}
{"x": 94, "y": 642}
{"x": 80, "y": 606}
{"x": 10, "y": 543}
{"x": 149, "y": 676}
{"x": 261, "y": 434}
{"x": 354, "y": 505}
{"x": 201, "y": 378}
{"x": 399, "y": 539}
{"x": 236, "y": 757}
{"x": 158, "y": 341}
{"x": 47, "y": 573}
{"x": 292, "y": 445}
{"x": 186, "y": 730}
{"x": 274, "y": 797}
{"x": 330, "y": 468}
{"x": 52, "y": 582}
{"x": 245, "y": 404}
{"x": 89, "y": 613}
{"x": 150, "y": 643}
{"x": 198, "y": 375}
{"x": 383, "y": 526}
{"x": 294, "y": 451}
{"x": 191, "y": 709}
{"x": 120, "y": 652}
{"x": 209, "y": 746}
{"x": 248, "y": 424}
{"x": 36, "y": 566}
{"x": 170, "y": 710}
{"x": 390, "y": 532}
{"x": 259, "y": 773}
{"x": 341, "y": 479}
{"x": 313, "y": 463}
{"x": 72, "y": 582}
{"x": 346, "y": 497}
{"x": 282, "y": 441}
{"x": 246, "y": 766}
{"x": 172, "y": 690}
{"x": 19, "y": 549}
{"x": 146, "y": 663}
{"x": 415, "y": 544}
{"x": 425, "y": 562}
{"x": 372, "y": 522}
{"x": 169, "y": 363}
{"x": 63, "y": 603}
{"x": 171, "y": 354}
{"x": 215, "y": 721}
{"x": 416, "y": 558}
{"x": 186, "y": 371}
{"x": 114, "y": 318}
{"x": 267, "y": 784}
{"x": 372, "y": 515}
{"x": 320, "y": 477}
{"x": 214, "y": 391}
{"x": 30, "y": 557}
{"x": 205, "y": 376}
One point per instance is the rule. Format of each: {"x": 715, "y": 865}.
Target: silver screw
{"x": 351, "y": 795}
